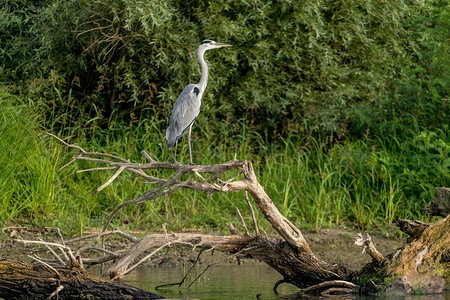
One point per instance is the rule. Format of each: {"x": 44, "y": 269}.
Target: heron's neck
{"x": 204, "y": 78}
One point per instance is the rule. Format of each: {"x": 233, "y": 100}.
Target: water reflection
{"x": 253, "y": 281}
{"x": 218, "y": 282}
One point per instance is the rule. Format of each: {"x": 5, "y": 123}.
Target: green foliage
{"x": 421, "y": 98}
{"x": 337, "y": 64}
{"x": 375, "y": 281}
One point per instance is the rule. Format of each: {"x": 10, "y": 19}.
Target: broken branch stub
{"x": 369, "y": 247}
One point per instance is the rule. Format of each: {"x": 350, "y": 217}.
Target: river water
{"x": 232, "y": 281}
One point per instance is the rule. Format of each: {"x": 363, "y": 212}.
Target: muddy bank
{"x": 332, "y": 245}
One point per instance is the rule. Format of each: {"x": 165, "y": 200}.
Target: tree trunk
{"x": 423, "y": 265}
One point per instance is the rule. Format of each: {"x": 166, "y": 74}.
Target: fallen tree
{"x": 421, "y": 266}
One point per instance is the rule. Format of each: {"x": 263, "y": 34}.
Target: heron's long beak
{"x": 223, "y": 45}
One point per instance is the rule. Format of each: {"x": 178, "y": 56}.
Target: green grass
{"x": 364, "y": 184}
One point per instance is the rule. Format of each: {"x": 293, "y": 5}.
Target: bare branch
{"x": 198, "y": 174}
{"x": 45, "y": 264}
{"x": 96, "y": 169}
{"x": 111, "y": 253}
{"x": 120, "y": 170}
{"x": 102, "y": 234}
{"x": 55, "y": 293}
{"x": 147, "y": 156}
{"x": 330, "y": 284}
{"x": 250, "y": 206}
{"x": 145, "y": 197}
{"x": 225, "y": 183}
{"x": 58, "y": 231}
{"x": 42, "y": 243}
{"x": 107, "y": 155}
{"x": 66, "y": 165}
{"x": 243, "y": 222}
{"x": 54, "y": 254}
{"x": 64, "y": 143}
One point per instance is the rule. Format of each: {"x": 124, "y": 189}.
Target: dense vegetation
{"x": 343, "y": 106}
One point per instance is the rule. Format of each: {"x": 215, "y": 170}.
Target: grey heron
{"x": 187, "y": 106}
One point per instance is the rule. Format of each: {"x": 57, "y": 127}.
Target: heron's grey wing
{"x": 184, "y": 112}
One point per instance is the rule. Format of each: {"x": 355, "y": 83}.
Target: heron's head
{"x": 209, "y": 44}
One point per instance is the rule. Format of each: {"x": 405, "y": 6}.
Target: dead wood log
{"x": 276, "y": 253}
{"x": 232, "y": 244}
{"x": 297, "y": 268}
{"x": 20, "y": 280}
{"x": 422, "y": 266}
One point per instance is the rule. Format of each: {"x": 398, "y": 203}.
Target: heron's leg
{"x": 175, "y": 152}
{"x": 189, "y": 142}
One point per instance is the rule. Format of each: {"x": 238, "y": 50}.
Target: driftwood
{"x": 417, "y": 266}
{"x": 62, "y": 277}
{"x": 20, "y": 280}
{"x": 423, "y": 264}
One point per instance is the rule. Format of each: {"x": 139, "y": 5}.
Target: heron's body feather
{"x": 185, "y": 110}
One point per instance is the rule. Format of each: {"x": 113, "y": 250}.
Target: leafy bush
{"x": 332, "y": 63}
{"x": 421, "y": 97}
